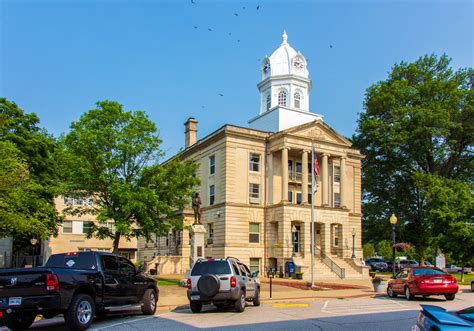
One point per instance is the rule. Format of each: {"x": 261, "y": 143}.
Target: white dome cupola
{"x": 284, "y": 90}
{"x": 284, "y": 61}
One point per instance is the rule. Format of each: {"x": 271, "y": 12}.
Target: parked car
{"x": 452, "y": 269}
{"x": 438, "y": 318}
{"x": 376, "y": 264}
{"x": 472, "y": 285}
{"x": 406, "y": 264}
{"x": 423, "y": 281}
{"x": 78, "y": 285}
{"x": 222, "y": 282}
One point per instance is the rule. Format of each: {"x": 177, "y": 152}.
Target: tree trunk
{"x": 462, "y": 274}
{"x": 116, "y": 243}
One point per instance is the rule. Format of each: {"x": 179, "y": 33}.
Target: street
{"x": 379, "y": 313}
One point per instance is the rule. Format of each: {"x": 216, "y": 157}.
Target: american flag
{"x": 315, "y": 169}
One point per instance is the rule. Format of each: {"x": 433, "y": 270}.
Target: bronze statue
{"x": 197, "y": 208}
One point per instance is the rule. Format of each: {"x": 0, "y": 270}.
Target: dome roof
{"x": 282, "y": 61}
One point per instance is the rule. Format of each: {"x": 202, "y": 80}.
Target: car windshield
{"x": 423, "y": 272}
{"x": 467, "y": 314}
{"x": 211, "y": 267}
{"x": 377, "y": 260}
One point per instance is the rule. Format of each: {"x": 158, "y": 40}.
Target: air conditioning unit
{"x": 254, "y": 200}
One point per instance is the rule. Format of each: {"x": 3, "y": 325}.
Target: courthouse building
{"x": 256, "y": 184}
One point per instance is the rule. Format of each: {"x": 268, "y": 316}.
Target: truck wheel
{"x": 256, "y": 298}
{"x": 17, "y": 321}
{"x": 149, "y": 302}
{"x": 81, "y": 312}
{"x": 196, "y": 306}
{"x": 239, "y": 305}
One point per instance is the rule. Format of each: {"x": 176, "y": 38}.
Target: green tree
{"x": 27, "y": 176}
{"x": 418, "y": 121}
{"x": 113, "y": 155}
{"x": 368, "y": 249}
{"x": 450, "y": 206}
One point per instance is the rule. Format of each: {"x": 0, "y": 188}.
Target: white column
{"x": 342, "y": 183}
{"x": 270, "y": 178}
{"x": 325, "y": 175}
{"x": 284, "y": 174}
{"x": 304, "y": 182}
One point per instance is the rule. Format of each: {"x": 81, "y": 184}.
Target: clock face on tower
{"x": 266, "y": 68}
{"x": 298, "y": 64}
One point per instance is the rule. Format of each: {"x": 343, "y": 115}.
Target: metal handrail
{"x": 340, "y": 272}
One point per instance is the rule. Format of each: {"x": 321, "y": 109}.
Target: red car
{"x": 423, "y": 281}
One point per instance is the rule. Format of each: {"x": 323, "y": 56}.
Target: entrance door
{"x": 297, "y": 239}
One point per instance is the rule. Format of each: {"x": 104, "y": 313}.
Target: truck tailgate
{"x": 23, "y": 281}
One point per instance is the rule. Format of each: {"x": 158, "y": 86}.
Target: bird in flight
{"x": 235, "y": 14}
{"x": 221, "y": 94}
{"x": 192, "y": 1}
{"x": 195, "y": 27}
{"x": 238, "y": 40}
{"x": 330, "y": 46}
{"x": 230, "y": 33}
{"x": 209, "y": 29}
{"x": 258, "y": 7}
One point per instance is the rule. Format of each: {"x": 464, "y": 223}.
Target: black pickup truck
{"x": 78, "y": 285}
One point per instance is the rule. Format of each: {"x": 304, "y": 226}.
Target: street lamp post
{"x": 393, "y": 221}
{"x": 33, "y": 242}
{"x": 353, "y": 243}
{"x": 293, "y": 232}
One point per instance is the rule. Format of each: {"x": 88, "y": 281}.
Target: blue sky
{"x": 59, "y": 57}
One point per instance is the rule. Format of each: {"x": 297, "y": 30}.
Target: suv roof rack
{"x": 231, "y": 257}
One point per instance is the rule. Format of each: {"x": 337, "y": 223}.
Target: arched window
{"x": 269, "y": 102}
{"x": 282, "y": 98}
{"x": 297, "y": 98}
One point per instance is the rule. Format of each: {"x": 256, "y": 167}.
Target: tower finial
{"x": 284, "y": 37}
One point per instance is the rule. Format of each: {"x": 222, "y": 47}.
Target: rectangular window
{"x": 337, "y": 200}
{"x": 337, "y": 174}
{"x": 290, "y": 196}
{"x": 254, "y": 164}
{"x": 290, "y": 166}
{"x": 210, "y": 233}
{"x": 86, "y": 227}
{"x": 212, "y": 192}
{"x": 310, "y": 198}
{"x": 67, "y": 226}
{"x": 254, "y": 193}
{"x": 254, "y": 233}
{"x": 299, "y": 168}
{"x": 212, "y": 165}
{"x": 254, "y": 264}
{"x": 84, "y": 249}
{"x": 299, "y": 198}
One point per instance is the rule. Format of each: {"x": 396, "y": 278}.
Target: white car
{"x": 452, "y": 269}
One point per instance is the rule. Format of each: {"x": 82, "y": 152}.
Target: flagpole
{"x": 312, "y": 215}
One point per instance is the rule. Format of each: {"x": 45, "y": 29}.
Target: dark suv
{"x": 376, "y": 264}
{"x": 222, "y": 282}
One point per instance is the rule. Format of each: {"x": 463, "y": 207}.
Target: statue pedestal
{"x": 198, "y": 236}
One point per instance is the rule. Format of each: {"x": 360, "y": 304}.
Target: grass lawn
{"x": 467, "y": 278}
{"x": 167, "y": 282}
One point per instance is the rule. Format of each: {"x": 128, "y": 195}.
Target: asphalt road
{"x": 379, "y": 313}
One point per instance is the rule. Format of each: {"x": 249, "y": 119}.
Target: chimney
{"x": 190, "y": 131}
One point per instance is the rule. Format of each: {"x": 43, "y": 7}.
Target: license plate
{"x": 437, "y": 280}
{"x": 195, "y": 297}
{"x": 14, "y": 301}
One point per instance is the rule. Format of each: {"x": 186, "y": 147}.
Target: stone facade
{"x": 71, "y": 235}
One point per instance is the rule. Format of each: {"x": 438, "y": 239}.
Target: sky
{"x": 58, "y": 58}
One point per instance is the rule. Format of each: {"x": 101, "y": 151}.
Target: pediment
{"x": 318, "y": 131}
